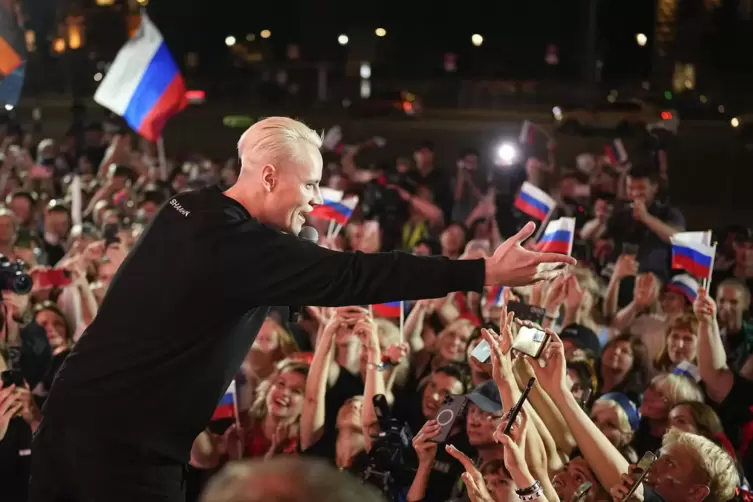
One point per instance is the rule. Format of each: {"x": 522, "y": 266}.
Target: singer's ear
{"x": 269, "y": 176}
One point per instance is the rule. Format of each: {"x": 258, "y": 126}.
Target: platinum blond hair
{"x": 286, "y": 479}
{"x": 717, "y": 466}
{"x": 275, "y": 139}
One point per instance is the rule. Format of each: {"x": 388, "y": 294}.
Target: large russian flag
{"x": 144, "y": 84}
{"x": 694, "y": 257}
{"x": 389, "y": 309}
{"x": 226, "y": 407}
{"x": 558, "y": 236}
{"x": 534, "y": 202}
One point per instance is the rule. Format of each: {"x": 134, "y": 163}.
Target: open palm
{"x": 513, "y": 265}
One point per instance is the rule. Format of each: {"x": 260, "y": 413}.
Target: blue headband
{"x": 626, "y": 404}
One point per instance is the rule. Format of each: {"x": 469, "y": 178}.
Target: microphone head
{"x": 309, "y": 234}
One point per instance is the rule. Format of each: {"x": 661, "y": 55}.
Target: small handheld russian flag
{"x": 496, "y": 296}
{"x": 227, "y": 407}
{"x": 558, "y": 237}
{"x": 688, "y": 369}
{"x": 534, "y": 202}
{"x": 532, "y": 136}
{"x": 389, "y": 309}
{"x": 330, "y": 197}
{"x": 616, "y": 153}
{"x": 694, "y": 257}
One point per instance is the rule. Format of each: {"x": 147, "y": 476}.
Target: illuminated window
{"x": 75, "y": 27}
{"x": 58, "y": 45}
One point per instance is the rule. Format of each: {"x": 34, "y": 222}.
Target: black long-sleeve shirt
{"x": 186, "y": 305}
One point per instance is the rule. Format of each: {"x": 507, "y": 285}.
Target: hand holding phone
{"x": 513, "y": 415}
{"x": 452, "y": 410}
{"x": 525, "y": 312}
{"x": 637, "y": 474}
{"x": 530, "y": 340}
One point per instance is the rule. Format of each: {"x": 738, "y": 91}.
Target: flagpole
{"x": 707, "y": 280}
{"x": 162, "y": 158}
{"x": 331, "y": 228}
{"x": 402, "y": 321}
{"x": 543, "y": 225}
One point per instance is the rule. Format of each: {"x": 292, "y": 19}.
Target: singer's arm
{"x": 265, "y": 267}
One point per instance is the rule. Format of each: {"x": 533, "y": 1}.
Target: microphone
{"x": 311, "y": 235}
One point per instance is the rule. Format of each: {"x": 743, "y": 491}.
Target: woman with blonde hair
{"x": 617, "y": 418}
{"x": 680, "y": 343}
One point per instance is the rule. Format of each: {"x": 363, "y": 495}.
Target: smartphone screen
{"x": 629, "y": 248}
{"x": 482, "y": 352}
{"x": 640, "y": 472}
{"x": 530, "y": 341}
{"x": 519, "y": 405}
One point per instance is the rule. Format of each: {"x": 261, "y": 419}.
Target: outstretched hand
{"x": 513, "y": 265}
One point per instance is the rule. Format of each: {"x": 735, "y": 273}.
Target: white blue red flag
{"x": 616, "y": 153}
{"x": 534, "y": 202}
{"x": 685, "y": 285}
{"x": 144, "y": 84}
{"x": 692, "y": 256}
{"x": 227, "y": 406}
{"x": 558, "y": 237}
{"x": 389, "y": 309}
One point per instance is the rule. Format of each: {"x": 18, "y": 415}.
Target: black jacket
{"x": 185, "y": 307}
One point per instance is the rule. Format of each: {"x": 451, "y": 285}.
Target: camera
{"x": 13, "y": 277}
{"x": 386, "y": 468}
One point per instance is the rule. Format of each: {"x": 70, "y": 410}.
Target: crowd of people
{"x": 640, "y": 358}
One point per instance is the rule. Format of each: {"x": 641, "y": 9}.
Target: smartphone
{"x": 582, "y": 491}
{"x": 630, "y": 249}
{"x": 530, "y": 341}
{"x": 110, "y": 233}
{"x": 640, "y": 472}
{"x": 519, "y": 405}
{"x": 585, "y": 398}
{"x": 55, "y": 278}
{"x": 482, "y": 352}
{"x": 12, "y": 377}
{"x": 452, "y": 409}
{"x": 526, "y": 312}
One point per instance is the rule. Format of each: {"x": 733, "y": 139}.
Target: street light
{"x": 380, "y": 32}
{"x": 342, "y": 39}
{"x": 265, "y": 34}
{"x": 477, "y": 39}
{"x": 641, "y": 38}
{"x": 230, "y": 41}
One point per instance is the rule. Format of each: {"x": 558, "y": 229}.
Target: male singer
{"x": 185, "y": 307}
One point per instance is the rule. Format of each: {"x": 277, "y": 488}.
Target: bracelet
{"x": 531, "y": 489}
{"x": 533, "y": 496}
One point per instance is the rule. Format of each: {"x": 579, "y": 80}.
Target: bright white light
{"x": 477, "y": 39}
{"x": 230, "y": 41}
{"x": 557, "y": 113}
{"x": 365, "y": 71}
{"x": 380, "y": 32}
{"x": 342, "y": 39}
{"x": 97, "y": 77}
{"x": 507, "y": 153}
{"x": 265, "y": 34}
{"x": 641, "y": 38}
{"x": 9, "y": 107}
{"x": 735, "y": 122}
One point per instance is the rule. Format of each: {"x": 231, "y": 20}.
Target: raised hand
{"x": 472, "y": 477}
{"x": 704, "y": 307}
{"x": 550, "y": 368}
{"x": 513, "y": 265}
{"x": 426, "y": 449}
{"x": 514, "y": 443}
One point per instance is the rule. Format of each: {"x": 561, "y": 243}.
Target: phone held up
{"x": 12, "y": 377}
{"x": 515, "y": 411}
{"x": 640, "y": 472}
{"x": 452, "y": 409}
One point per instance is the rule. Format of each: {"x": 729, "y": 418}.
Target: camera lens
{"x": 21, "y": 284}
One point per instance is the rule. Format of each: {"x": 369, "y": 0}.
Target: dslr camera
{"x": 391, "y": 447}
{"x": 13, "y": 276}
